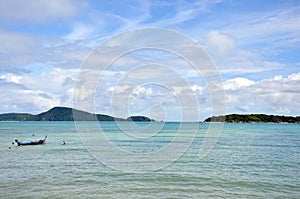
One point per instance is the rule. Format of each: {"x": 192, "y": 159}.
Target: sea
{"x": 149, "y": 160}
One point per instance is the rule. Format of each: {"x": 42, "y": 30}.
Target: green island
{"x": 67, "y": 114}
{"x": 248, "y": 118}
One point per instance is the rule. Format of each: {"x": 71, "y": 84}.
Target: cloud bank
{"x": 44, "y": 43}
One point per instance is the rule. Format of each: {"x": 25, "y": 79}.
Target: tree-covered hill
{"x": 66, "y": 114}
{"x": 139, "y": 119}
{"x": 254, "y": 118}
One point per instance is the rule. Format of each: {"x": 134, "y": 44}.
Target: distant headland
{"x": 249, "y": 118}
{"x": 67, "y": 114}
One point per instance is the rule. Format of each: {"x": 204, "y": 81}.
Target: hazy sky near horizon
{"x": 254, "y": 44}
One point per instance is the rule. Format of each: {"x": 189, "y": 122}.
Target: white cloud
{"x": 35, "y": 62}
{"x": 35, "y": 101}
{"x": 219, "y": 45}
{"x": 236, "y": 83}
{"x": 230, "y": 59}
{"x": 185, "y": 11}
{"x": 20, "y": 51}
{"x": 274, "y": 29}
{"x": 11, "y": 78}
{"x": 54, "y": 81}
{"x": 277, "y": 95}
{"x": 264, "y": 40}
{"x": 295, "y": 76}
{"x": 120, "y": 89}
{"x": 182, "y": 16}
{"x": 80, "y": 32}
{"x": 17, "y": 48}
{"x": 39, "y": 11}
{"x": 197, "y": 88}
{"x": 37, "y": 91}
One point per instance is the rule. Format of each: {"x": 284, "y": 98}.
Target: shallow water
{"x": 249, "y": 161}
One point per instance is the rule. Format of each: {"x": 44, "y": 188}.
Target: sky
{"x": 254, "y": 45}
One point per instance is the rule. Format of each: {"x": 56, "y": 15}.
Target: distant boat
{"x": 35, "y": 142}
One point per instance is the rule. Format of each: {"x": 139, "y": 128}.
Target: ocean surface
{"x": 248, "y": 161}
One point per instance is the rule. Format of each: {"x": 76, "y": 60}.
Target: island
{"x": 67, "y": 114}
{"x": 248, "y": 118}
{"x": 139, "y": 119}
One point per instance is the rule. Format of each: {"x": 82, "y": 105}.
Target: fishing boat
{"x": 35, "y": 142}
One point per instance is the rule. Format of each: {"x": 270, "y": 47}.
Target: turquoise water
{"x": 249, "y": 161}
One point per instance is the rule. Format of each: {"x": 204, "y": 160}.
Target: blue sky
{"x": 254, "y": 44}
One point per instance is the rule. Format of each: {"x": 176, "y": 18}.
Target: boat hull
{"x": 36, "y": 142}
